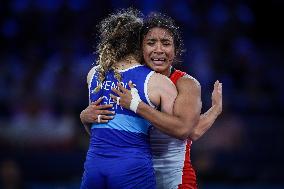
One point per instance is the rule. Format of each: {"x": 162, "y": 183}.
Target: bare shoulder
{"x": 160, "y": 86}
{"x": 187, "y": 82}
{"x": 165, "y": 85}
{"x": 91, "y": 73}
{"x": 159, "y": 80}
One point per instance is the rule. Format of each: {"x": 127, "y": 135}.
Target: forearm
{"x": 205, "y": 122}
{"x": 86, "y": 124}
{"x": 169, "y": 124}
{"x": 87, "y": 128}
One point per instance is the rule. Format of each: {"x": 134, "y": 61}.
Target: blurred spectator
{"x": 11, "y": 175}
{"x": 33, "y": 126}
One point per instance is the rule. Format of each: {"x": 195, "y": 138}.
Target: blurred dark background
{"x": 46, "y": 51}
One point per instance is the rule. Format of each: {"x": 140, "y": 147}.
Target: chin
{"x": 162, "y": 71}
{"x": 158, "y": 68}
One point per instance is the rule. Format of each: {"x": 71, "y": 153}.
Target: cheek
{"x": 171, "y": 54}
{"x": 146, "y": 54}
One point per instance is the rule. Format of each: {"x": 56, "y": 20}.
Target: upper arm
{"x": 188, "y": 102}
{"x": 162, "y": 92}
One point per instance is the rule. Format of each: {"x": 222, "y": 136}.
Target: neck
{"x": 126, "y": 62}
{"x": 167, "y": 72}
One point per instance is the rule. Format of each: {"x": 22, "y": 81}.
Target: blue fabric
{"x": 114, "y": 165}
{"x": 119, "y": 153}
{"x": 125, "y": 123}
{"x": 137, "y": 75}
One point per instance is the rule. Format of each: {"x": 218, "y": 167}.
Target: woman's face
{"x": 159, "y": 50}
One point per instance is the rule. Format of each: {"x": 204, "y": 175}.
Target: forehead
{"x": 160, "y": 33}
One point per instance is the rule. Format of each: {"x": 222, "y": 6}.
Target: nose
{"x": 159, "y": 49}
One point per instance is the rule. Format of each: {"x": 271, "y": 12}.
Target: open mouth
{"x": 158, "y": 61}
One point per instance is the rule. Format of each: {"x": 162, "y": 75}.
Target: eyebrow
{"x": 163, "y": 39}
{"x": 166, "y": 40}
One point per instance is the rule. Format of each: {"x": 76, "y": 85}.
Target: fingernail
{"x": 130, "y": 81}
{"x": 113, "y": 112}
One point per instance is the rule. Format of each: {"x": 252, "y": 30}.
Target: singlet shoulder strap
{"x": 176, "y": 74}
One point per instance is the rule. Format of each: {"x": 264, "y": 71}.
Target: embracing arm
{"x": 207, "y": 119}
{"x": 90, "y": 114}
{"x": 186, "y": 108}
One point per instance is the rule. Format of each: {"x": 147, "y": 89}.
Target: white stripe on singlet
{"x": 146, "y": 89}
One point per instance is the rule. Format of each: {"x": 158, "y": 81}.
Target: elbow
{"x": 194, "y": 136}
{"x": 179, "y": 134}
{"x": 195, "y": 133}
{"x": 187, "y": 132}
{"x": 183, "y": 134}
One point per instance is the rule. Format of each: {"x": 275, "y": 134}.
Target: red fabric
{"x": 188, "y": 173}
{"x": 176, "y": 75}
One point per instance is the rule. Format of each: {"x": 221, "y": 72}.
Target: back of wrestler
{"x": 119, "y": 152}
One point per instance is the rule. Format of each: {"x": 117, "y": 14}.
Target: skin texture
{"x": 90, "y": 114}
{"x": 158, "y": 45}
{"x": 186, "y": 121}
{"x": 161, "y": 91}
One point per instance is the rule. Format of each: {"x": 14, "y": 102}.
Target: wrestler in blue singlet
{"x": 119, "y": 153}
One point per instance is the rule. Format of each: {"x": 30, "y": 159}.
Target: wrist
{"x": 134, "y": 104}
{"x": 135, "y": 100}
{"x": 141, "y": 107}
{"x": 216, "y": 111}
{"x": 81, "y": 118}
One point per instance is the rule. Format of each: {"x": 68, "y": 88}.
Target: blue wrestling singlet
{"x": 119, "y": 154}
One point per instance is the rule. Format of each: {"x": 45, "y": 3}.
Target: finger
{"x": 113, "y": 97}
{"x": 104, "y": 117}
{"x": 131, "y": 85}
{"x": 92, "y": 118}
{"x": 220, "y": 88}
{"x": 103, "y": 121}
{"x": 116, "y": 91}
{"x": 97, "y": 101}
{"x": 105, "y": 112}
{"x": 104, "y": 106}
{"x": 124, "y": 90}
{"x": 216, "y": 84}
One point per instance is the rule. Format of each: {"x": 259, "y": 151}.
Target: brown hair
{"x": 119, "y": 37}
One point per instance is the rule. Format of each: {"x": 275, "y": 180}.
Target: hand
{"x": 91, "y": 113}
{"x": 124, "y": 94}
{"x": 217, "y": 97}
